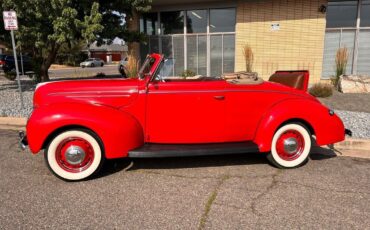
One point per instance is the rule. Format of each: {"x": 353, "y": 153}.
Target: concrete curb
{"x": 350, "y": 147}
{"x": 13, "y": 121}
{"x": 353, "y": 147}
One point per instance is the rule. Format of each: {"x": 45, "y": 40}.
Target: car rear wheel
{"x": 92, "y": 65}
{"x": 74, "y": 154}
{"x": 291, "y": 146}
{"x": 102, "y": 64}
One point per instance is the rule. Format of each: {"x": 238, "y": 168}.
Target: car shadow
{"x": 125, "y": 164}
{"x": 322, "y": 152}
{"x": 117, "y": 165}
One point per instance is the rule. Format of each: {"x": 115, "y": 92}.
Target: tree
{"x": 46, "y": 25}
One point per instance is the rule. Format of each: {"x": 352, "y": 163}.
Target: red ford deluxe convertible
{"x": 82, "y": 122}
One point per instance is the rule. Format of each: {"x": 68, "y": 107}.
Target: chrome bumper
{"x": 23, "y": 142}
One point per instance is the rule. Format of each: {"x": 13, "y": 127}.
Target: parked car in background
{"x": 92, "y": 62}
{"x": 2, "y": 61}
{"x": 81, "y": 123}
{"x": 8, "y": 64}
{"x": 122, "y": 67}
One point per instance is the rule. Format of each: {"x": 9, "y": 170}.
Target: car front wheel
{"x": 291, "y": 146}
{"x": 74, "y": 154}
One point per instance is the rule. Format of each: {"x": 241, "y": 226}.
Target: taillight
{"x": 2, "y": 62}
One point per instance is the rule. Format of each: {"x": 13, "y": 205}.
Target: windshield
{"x": 146, "y": 67}
{"x": 166, "y": 69}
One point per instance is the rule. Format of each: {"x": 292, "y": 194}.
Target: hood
{"x": 110, "y": 92}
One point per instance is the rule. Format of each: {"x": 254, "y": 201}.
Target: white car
{"x": 92, "y": 62}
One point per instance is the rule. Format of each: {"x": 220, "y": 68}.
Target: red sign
{"x": 10, "y": 20}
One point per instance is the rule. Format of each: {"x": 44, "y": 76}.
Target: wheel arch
{"x": 118, "y": 131}
{"x": 62, "y": 129}
{"x": 305, "y": 111}
{"x": 298, "y": 120}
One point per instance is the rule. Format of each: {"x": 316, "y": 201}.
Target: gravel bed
{"x": 358, "y": 122}
{"x": 10, "y": 102}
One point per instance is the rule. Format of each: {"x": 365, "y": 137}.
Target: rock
{"x": 354, "y": 84}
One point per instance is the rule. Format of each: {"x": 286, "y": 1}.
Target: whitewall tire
{"x": 291, "y": 146}
{"x": 74, "y": 154}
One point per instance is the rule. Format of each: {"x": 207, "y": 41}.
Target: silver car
{"x": 92, "y": 62}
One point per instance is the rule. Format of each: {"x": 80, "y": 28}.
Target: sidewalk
{"x": 351, "y": 147}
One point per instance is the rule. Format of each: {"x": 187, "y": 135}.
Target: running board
{"x": 182, "y": 150}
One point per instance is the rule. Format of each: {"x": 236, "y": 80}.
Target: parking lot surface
{"x": 222, "y": 192}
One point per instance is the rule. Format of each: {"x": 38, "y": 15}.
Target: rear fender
{"x": 119, "y": 131}
{"x": 327, "y": 128}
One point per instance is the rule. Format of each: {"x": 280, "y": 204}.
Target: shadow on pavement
{"x": 117, "y": 165}
{"x": 321, "y": 153}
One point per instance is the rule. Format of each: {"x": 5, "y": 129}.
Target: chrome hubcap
{"x": 74, "y": 155}
{"x": 291, "y": 145}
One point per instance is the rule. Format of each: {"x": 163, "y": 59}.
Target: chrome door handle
{"x": 219, "y": 97}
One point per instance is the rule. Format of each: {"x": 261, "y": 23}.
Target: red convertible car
{"x": 81, "y": 123}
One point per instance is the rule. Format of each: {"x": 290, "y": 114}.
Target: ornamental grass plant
{"x": 341, "y": 60}
{"x": 132, "y": 66}
{"x": 248, "y": 57}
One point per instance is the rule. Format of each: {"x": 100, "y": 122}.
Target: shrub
{"x": 341, "y": 60}
{"x": 248, "y": 57}
{"x": 100, "y": 75}
{"x": 321, "y": 90}
{"x": 10, "y": 76}
{"x": 187, "y": 73}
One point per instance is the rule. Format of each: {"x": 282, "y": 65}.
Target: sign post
{"x": 11, "y": 23}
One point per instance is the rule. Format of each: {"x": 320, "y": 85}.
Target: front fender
{"x": 327, "y": 128}
{"x": 119, "y": 131}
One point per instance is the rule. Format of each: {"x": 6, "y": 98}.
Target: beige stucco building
{"x": 207, "y": 37}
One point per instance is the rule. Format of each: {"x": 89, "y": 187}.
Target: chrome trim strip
{"x": 217, "y": 91}
{"x": 117, "y": 93}
{"x": 99, "y": 96}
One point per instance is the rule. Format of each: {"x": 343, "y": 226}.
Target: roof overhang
{"x": 164, "y": 5}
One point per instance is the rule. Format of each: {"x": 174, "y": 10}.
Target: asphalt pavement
{"x": 222, "y": 192}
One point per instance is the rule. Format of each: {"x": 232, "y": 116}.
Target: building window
{"x": 201, "y": 40}
{"x": 341, "y": 14}
{"x": 365, "y": 13}
{"x": 196, "y": 21}
{"x": 172, "y": 22}
{"x": 363, "y": 58}
{"x": 149, "y": 24}
{"x": 333, "y": 41}
{"x": 222, "y": 20}
{"x": 346, "y": 28}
